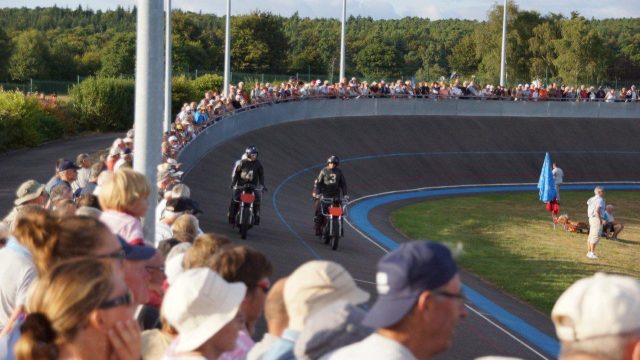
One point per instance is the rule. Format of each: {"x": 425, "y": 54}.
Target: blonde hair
{"x": 125, "y": 187}
{"x": 51, "y": 240}
{"x": 38, "y": 230}
{"x": 203, "y": 249}
{"x": 185, "y": 228}
{"x": 60, "y": 304}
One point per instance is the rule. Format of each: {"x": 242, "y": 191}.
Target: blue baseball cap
{"x": 403, "y": 275}
{"x": 66, "y": 165}
{"x": 136, "y": 252}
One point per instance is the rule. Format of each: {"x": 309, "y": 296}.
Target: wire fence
{"x": 41, "y": 86}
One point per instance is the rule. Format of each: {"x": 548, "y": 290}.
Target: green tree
{"x": 379, "y": 59}
{"x": 543, "y": 51}
{"x": 5, "y": 53}
{"x": 463, "y": 58}
{"x": 582, "y": 57}
{"x": 119, "y": 57}
{"x": 189, "y": 55}
{"x": 63, "y": 63}
{"x": 258, "y": 43}
{"x": 520, "y": 25}
{"x": 30, "y": 57}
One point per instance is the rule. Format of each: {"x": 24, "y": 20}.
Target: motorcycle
{"x": 245, "y": 214}
{"x": 332, "y": 210}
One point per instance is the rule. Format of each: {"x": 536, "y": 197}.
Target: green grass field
{"x": 509, "y": 240}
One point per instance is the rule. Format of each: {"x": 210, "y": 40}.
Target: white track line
{"x": 506, "y": 332}
{"x": 464, "y": 186}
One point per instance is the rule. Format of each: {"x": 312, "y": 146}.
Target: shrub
{"x": 104, "y": 104}
{"x": 208, "y": 82}
{"x": 25, "y": 122}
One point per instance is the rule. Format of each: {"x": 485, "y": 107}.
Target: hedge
{"x": 25, "y": 122}
{"x": 104, "y": 104}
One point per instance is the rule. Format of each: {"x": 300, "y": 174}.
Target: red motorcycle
{"x": 245, "y": 215}
{"x": 332, "y": 210}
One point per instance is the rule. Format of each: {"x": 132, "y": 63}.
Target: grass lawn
{"x": 509, "y": 240}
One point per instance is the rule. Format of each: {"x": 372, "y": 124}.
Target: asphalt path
{"x": 39, "y": 163}
{"x": 397, "y": 153}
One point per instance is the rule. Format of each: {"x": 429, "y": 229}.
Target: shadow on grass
{"x": 628, "y": 242}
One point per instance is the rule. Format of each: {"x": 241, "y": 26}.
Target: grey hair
{"x": 598, "y": 188}
{"x": 180, "y": 191}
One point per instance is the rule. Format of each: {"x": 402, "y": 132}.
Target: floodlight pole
{"x": 342, "y": 38}
{"x": 503, "y": 57}
{"x": 227, "y": 51}
{"x": 167, "y": 70}
{"x": 148, "y": 101}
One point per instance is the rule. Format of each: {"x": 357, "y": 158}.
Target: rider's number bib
{"x": 331, "y": 179}
{"x": 247, "y": 175}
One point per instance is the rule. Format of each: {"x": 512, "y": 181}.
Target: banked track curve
{"x": 392, "y": 153}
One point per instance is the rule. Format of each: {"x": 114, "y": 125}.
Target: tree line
{"x": 60, "y": 44}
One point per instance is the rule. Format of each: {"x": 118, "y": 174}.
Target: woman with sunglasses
{"x": 81, "y": 309}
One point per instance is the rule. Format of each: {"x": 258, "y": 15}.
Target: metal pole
{"x": 149, "y": 101}
{"x": 227, "y": 51}
{"x": 166, "y": 125}
{"x": 503, "y": 58}
{"x": 342, "y": 38}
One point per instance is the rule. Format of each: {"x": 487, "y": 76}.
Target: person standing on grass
{"x": 595, "y": 211}
{"x": 558, "y": 176}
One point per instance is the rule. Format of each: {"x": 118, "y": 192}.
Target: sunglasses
{"x": 156, "y": 268}
{"x": 126, "y": 299}
{"x": 460, "y": 296}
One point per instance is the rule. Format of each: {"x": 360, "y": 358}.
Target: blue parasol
{"x": 546, "y": 184}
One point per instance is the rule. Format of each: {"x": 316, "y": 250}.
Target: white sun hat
{"x": 198, "y": 304}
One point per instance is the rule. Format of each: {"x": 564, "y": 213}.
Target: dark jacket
{"x": 329, "y": 183}
{"x": 248, "y": 172}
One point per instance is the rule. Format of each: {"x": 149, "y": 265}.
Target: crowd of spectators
{"x": 214, "y": 104}
{"x": 79, "y": 279}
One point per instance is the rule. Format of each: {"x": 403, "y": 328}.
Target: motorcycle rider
{"x": 329, "y": 183}
{"x": 248, "y": 170}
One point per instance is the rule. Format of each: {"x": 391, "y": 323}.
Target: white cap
{"x": 173, "y": 267}
{"x": 173, "y": 138}
{"x": 200, "y": 303}
{"x": 317, "y": 284}
{"x": 600, "y": 305}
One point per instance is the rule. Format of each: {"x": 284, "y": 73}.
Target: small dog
{"x": 572, "y": 226}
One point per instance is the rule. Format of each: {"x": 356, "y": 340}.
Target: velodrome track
{"x": 383, "y": 154}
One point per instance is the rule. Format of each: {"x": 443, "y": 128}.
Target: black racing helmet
{"x": 251, "y": 150}
{"x": 333, "y": 160}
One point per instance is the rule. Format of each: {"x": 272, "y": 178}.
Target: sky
{"x": 377, "y": 9}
